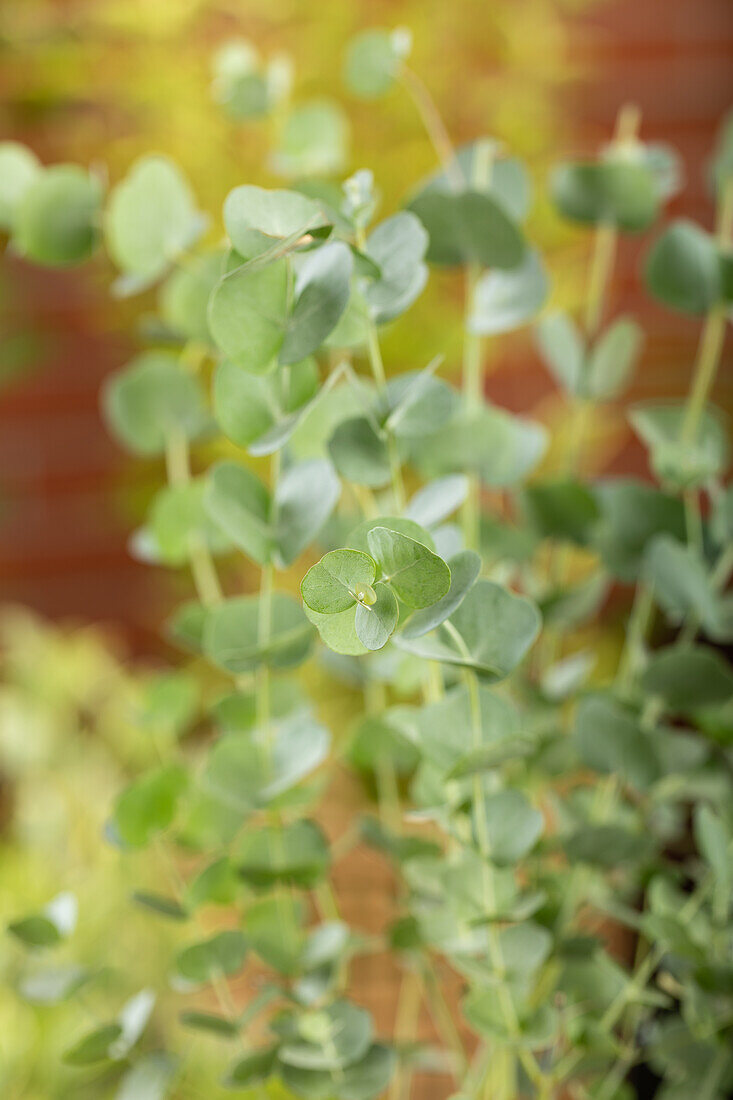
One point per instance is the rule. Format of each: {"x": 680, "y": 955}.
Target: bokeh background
{"x": 102, "y": 81}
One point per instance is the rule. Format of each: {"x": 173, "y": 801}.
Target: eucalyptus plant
{"x": 528, "y": 800}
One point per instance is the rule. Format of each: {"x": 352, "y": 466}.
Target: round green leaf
{"x": 178, "y": 522}
{"x": 338, "y": 631}
{"x": 398, "y": 246}
{"x": 688, "y": 677}
{"x": 322, "y": 288}
{"x": 378, "y": 737}
{"x": 465, "y": 567}
{"x": 238, "y": 84}
{"x": 612, "y": 360}
{"x": 35, "y": 931}
{"x": 632, "y": 513}
{"x": 339, "y": 580}
{"x": 52, "y": 985}
{"x": 479, "y": 165}
{"x": 374, "y": 622}
{"x": 620, "y": 192}
{"x": 444, "y": 731}
{"x": 246, "y": 771}
{"x": 253, "y": 1069}
{"x": 151, "y": 398}
{"x": 305, "y": 496}
{"x": 364, "y": 1080}
{"x": 296, "y": 854}
{"x": 250, "y": 211}
{"x": 56, "y": 218}
{"x": 512, "y": 824}
{"x": 248, "y": 314}
{"x": 313, "y": 142}
{"x": 504, "y": 300}
{"x": 151, "y": 218}
{"x": 94, "y": 1047}
{"x": 328, "y": 1038}
{"x": 54, "y": 923}
{"x": 274, "y": 927}
{"x": 609, "y": 739}
{"x": 416, "y": 403}
{"x": 19, "y": 167}
{"x": 237, "y": 501}
{"x": 561, "y": 509}
{"x": 437, "y": 500}
{"x": 563, "y": 350}
{"x": 468, "y": 226}
{"x": 252, "y": 407}
{"x": 148, "y": 805}
{"x": 149, "y": 1079}
{"x": 371, "y": 64}
{"x": 681, "y": 582}
{"x": 184, "y": 296}
{"x": 683, "y": 269}
{"x": 417, "y": 575}
{"x": 233, "y": 637}
{"x": 360, "y": 453}
{"x": 496, "y": 445}
{"x": 490, "y": 632}
{"x": 222, "y": 954}
{"x": 215, "y": 885}
{"x": 687, "y": 464}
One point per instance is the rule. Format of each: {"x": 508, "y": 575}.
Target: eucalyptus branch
{"x": 303, "y": 279}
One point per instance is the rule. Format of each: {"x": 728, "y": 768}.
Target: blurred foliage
{"x": 83, "y": 77}
{"x": 76, "y": 723}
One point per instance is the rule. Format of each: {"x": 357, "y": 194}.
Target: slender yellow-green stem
{"x": 375, "y": 360}
{"x": 636, "y": 631}
{"x": 405, "y": 1029}
{"x": 377, "y": 368}
{"x": 473, "y": 381}
{"x": 434, "y": 125}
{"x": 713, "y": 334}
{"x": 443, "y": 1018}
{"x": 473, "y": 389}
{"x": 508, "y": 1009}
{"x": 203, "y": 570}
{"x": 473, "y": 370}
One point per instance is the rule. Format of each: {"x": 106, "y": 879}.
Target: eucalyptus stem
{"x": 377, "y": 367}
{"x": 508, "y": 1009}
{"x": 434, "y": 126}
{"x": 473, "y": 387}
{"x": 713, "y": 334}
{"x": 636, "y": 630}
{"x": 443, "y": 1018}
{"x": 408, "y": 1010}
{"x": 203, "y": 570}
{"x": 473, "y": 373}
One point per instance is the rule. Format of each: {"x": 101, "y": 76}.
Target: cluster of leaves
{"x": 543, "y": 801}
